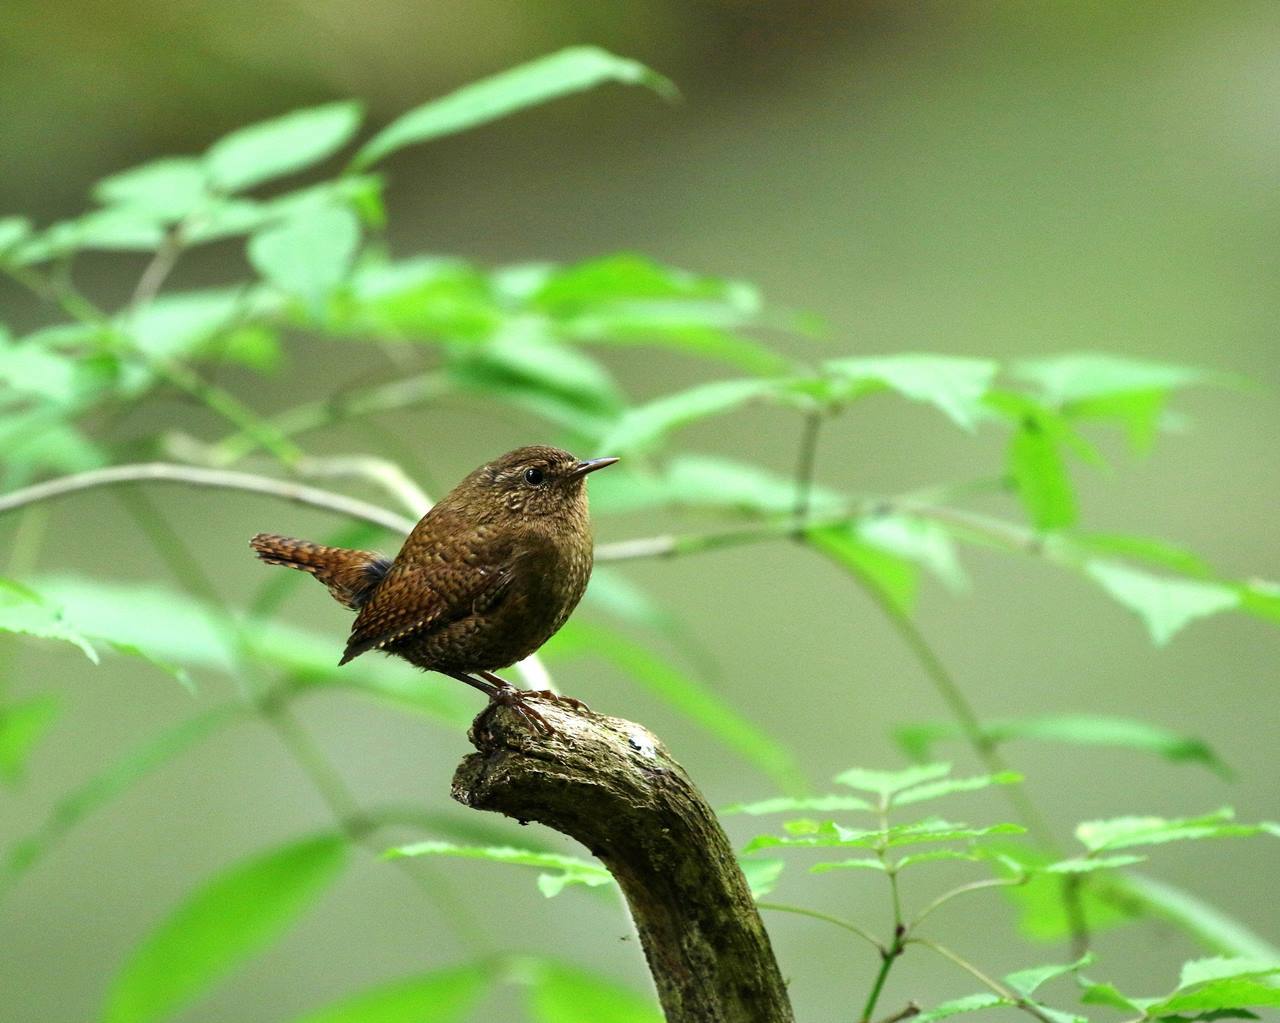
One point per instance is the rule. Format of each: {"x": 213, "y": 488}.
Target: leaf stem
{"x": 853, "y": 928}
{"x": 805, "y": 468}
{"x": 992, "y": 984}
{"x": 964, "y": 889}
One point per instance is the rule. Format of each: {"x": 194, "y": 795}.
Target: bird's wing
{"x": 411, "y": 601}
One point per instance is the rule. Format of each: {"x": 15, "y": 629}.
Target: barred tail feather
{"x": 351, "y": 576}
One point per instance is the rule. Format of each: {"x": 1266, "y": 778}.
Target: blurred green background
{"x": 970, "y": 178}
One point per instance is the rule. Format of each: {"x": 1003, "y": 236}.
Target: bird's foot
{"x": 517, "y": 700}
{"x": 560, "y": 698}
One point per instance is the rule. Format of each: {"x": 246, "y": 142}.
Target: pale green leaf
{"x": 1078, "y": 729}
{"x": 1026, "y": 982}
{"x": 169, "y": 189}
{"x": 522, "y": 348}
{"x": 1165, "y": 605}
{"x": 1083, "y": 865}
{"x": 946, "y": 786}
{"x": 568, "y": 869}
{"x": 12, "y": 231}
{"x": 309, "y": 255}
{"x": 644, "y": 427}
{"x": 1200, "y": 971}
{"x": 891, "y": 578}
{"x": 888, "y": 783}
{"x": 249, "y": 156}
{"x": 1126, "y": 832}
{"x": 1088, "y": 375}
{"x": 857, "y": 863}
{"x": 34, "y": 369}
{"x": 178, "y": 323}
{"x": 832, "y": 835}
{"x": 799, "y": 804}
{"x": 22, "y": 726}
{"x": 952, "y": 384}
{"x": 115, "y": 229}
{"x": 684, "y": 693}
{"x": 442, "y": 996}
{"x": 1143, "y": 548}
{"x": 969, "y": 1003}
{"x": 101, "y": 788}
{"x": 762, "y": 875}
{"x": 227, "y": 920}
{"x": 924, "y": 542}
{"x": 562, "y": 994}
{"x": 1107, "y": 994}
{"x": 559, "y": 74}
{"x": 24, "y": 611}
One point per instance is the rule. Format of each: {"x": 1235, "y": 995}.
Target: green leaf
{"x": 1126, "y": 832}
{"x": 24, "y": 611}
{"x": 35, "y": 369}
{"x": 1040, "y": 898}
{"x": 230, "y": 918}
{"x": 953, "y": 385}
{"x": 1200, "y": 971}
{"x": 926, "y": 543}
{"x": 1165, "y": 605}
{"x": 1081, "y": 865}
{"x": 969, "y": 1003}
{"x": 1213, "y": 929}
{"x": 442, "y": 996}
{"x": 857, "y": 863}
{"x": 177, "y": 323}
{"x": 115, "y": 229}
{"x": 946, "y": 786}
{"x": 1078, "y": 729}
{"x": 886, "y": 784}
{"x": 1237, "y": 992}
{"x": 308, "y": 255}
{"x": 762, "y": 875}
{"x": 793, "y": 804}
{"x": 569, "y": 869}
{"x": 644, "y": 427}
{"x": 1106, "y": 994}
{"x": 100, "y": 789}
{"x": 249, "y": 156}
{"x": 561, "y": 994}
{"x": 559, "y": 74}
{"x": 682, "y": 692}
{"x": 1040, "y": 473}
{"x": 1026, "y": 982}
{"x": 22, "y": 725}
{"x": 12, "y": 231}
{"x": 890, "y": 577}
{"x": 1143, "y": 548}
{"x": 830, "y": 834}
{"x": 168, "y": 190}
{"x": 1088, "y": 375}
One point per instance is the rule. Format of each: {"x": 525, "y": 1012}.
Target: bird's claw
{"x": 516, "y": 700}
{"x": 560, "y": 698}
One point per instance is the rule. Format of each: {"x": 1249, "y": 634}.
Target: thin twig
{"x": 805, "y": 468}
{"x": 158, "y": 270}
{"x": 964, "y": 889}
{"x": 991, "y": 983}
{"x": 911, "y": 1009}
{"x": 783, "y": 907}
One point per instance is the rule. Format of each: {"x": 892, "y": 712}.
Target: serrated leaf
{"x": 100, "y": 789}
{"x": 1126, "y": 832}
{"x": 829, "y": 834}
{"x": 888, "y": 783}
{"x": 309, "y": 255}
{"x": 169, "y": 189}
{"x": 643, "y": 428}
{"x": 1088, "y": 375}
{"x": 890, "y": 577}
{"x": 1078, "y": 729}
{"x": 946, "y": 786}
{"x": 969, "y": 1003}
{"x": 762, "y": 875}
{"x": 571, "y": 70}
{"x": 953, "y": 385}
{"x": 562, "y": 994}
{"x": 857, "y": 863}
{"x": 1200, "y": 971}
{"x": 1026, "y": 982}
{"x": 794, "y": 804}
{"x": 684, "y": 693}
{"x": 283, "y": 145}
{"x": 442, "y": 996}
{"x": 24, "y": 611}
{"x": 1232, "y": 993}
{"x": 1165, "y": 605}
{"x": 228, "y": 919}
{"x": 569, "y": 869}
{"x": 22, "y": 726}
{"x": 1081, "y": 865}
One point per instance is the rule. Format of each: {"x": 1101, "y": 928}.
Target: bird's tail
{"x": 350, "y": 575}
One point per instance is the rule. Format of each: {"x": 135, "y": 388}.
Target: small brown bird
{"x": 485, "y": 578}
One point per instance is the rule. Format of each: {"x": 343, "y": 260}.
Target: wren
{"x": 487, "y": 576}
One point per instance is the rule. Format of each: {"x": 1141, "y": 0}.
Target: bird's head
{"x": 531, "y": 481}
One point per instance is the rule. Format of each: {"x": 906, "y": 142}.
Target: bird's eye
{"x": 534, "y": 477}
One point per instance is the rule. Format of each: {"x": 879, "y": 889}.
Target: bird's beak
{"x": 590, "y": 465}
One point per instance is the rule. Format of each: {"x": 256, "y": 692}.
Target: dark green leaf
{"x": 683, "y": 693}
{"x": 228, "y": 919}
{"x": 1165, "y": 605}
{"x": 22, "y": 725}
{"x": 559, "y": 74}
{"x": 1078, "y": 729}
{"x": 568, "y": 869}
{"x": 890, "y": 577}
{"x": 953, "y": 385}
{"x": 561, "y": 994}
{"x": 168, "y": 190}
{"x": 442, "y": 996}
{"x": 283, "y": 145}
{"x": 309, "y": 255}
{"x": 103, "y": 787}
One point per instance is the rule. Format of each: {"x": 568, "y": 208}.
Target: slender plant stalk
{"x": 990, "y": 982}
{"x": 852, "y": 928}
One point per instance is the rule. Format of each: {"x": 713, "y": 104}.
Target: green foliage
{"x": 1211, "y": 987}
{"x": 1127, "y": 832}
{"x": 568, "y": 869}
{"x": 1165, "y": 605}
{"x": 23, "y": 724}
{"x": 442, "y": 996}
{"x": 231, "y": 917}
{"x": 562, "y": 995}
{"x": 285, "y": 145}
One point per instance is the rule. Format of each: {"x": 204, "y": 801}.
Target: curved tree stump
{"x": 611, "y": 785}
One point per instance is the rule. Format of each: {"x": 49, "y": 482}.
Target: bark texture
{"x": 611, "y": 785}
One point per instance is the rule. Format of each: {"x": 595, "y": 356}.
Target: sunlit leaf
{"x": 1200, "y": 971}
{"x": 249, "y": 156}
{"x": 888, "y": 783}
{"x": 1026, "y": 982}
{"x": 442, "y": 996}
{"x": 969, "y": 1003}
{"x": 1039, "y": 472}
{"x": 1078, "y": 729}
{"x": 1143, "y": 548}
{"x": 308, "y": 255}
{"x": 946, "y": 786}
{"x": 227, "y": 920}
{"x": 952, "y": 384}
{"x": 889, "y": 576}
{"x": 643, "y": 427}
{"x": 23, "y": 724}
{"x": 568, "y": 869}
{"x": 1232, "y": 993}
{"x": 12, "y": 231}
{"x": 1126, "y": 832}
{"x": 562, "y": 994}
{"x": 176, "y": 323}
{"x": 830, "y": 834}
{"x": 168, "y": 189}
{"x": 1082, "y": 865}
{"x": 857, "y": 863}
{"x": 682, "y": 692}
{"x": 924, "y": 542}
{"x": 762, "y": 875}
{"x": 101, "y": 788}
{"x": 25, "y": 611}
{"x": 798, "y": 804}
{"x": 1165, "y": 605}
{"x": 559, "y": 74}
{"x": 1088, "y": 375}
{"x": 115, "y": 229}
